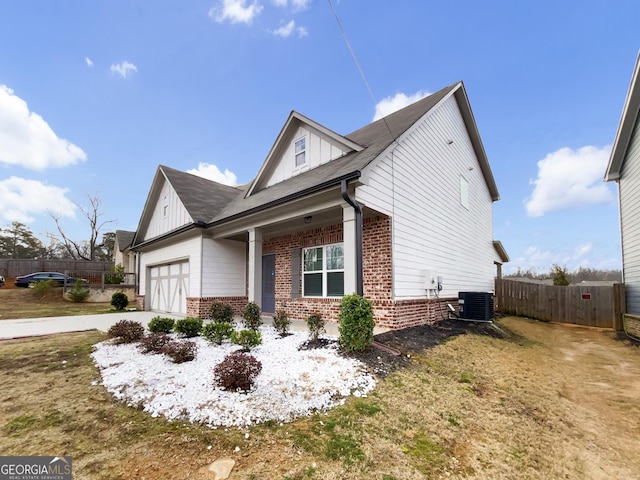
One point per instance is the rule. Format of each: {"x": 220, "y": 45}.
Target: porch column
{"x": 255, "y": 266}
{"x": 350, "y": 251}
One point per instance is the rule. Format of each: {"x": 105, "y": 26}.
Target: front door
{"x": 269, "y": 283}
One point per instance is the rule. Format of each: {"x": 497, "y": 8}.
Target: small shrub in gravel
{"x": 356, "y": 323}
{"x": 221, "y": 312}
{"x": 154, "y": 342}
{"x": 188, "y": 327}
{"x": 180, "y": 351}
{"x": 281, "y": 322}
{"x": 217, "y": 332}
{"x": 237, "y": 372}
{"x": 126, "y": 331}
{"x": 316, "y": 326}
{"x": 161, "y": 325}
{"x": 119, "y": 300}
{"x": 251, "y": 315}
{"x": 247, "y": 339}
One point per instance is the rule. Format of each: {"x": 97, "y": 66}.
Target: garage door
{"x": 169, "y": 287}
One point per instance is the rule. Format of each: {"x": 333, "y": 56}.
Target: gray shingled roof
{"x": 201, "y": 197}
{"x": 125, "y": 238}
{"x": 375, "y": 137}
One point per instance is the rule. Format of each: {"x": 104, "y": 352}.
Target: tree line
{"x": 561, "y": 276}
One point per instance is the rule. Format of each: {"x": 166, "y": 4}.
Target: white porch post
{"x": 255, "y": 266}
{"x": 350, "y": 262}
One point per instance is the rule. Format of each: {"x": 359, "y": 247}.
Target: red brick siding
{"x": 199, "y": 307}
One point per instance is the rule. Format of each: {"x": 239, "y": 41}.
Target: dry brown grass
{"x": 550, "y": 401}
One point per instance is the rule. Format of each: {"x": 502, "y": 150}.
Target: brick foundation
{"x": 199, "y": 307}
{"x": 140, "y": 302}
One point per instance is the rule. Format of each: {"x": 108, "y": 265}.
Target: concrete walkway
{"x": 30, "y": 327}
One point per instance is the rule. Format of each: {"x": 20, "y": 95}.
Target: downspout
{"x": 344, "y": 188}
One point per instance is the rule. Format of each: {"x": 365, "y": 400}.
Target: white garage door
{"x": 169, "y": 287}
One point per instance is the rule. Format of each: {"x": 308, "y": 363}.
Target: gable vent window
{"x": 301, "y": 152}
{"x": 165, "y": 208}
{"x": 464, "y": 192}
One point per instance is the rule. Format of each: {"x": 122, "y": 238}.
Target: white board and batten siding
{"x": 169, "y": 213}
{"x": 319, "y": 150}
{"x": 224, "y": 271}
{"x": 418, "y": 184}
{"x": 629, "y": 185}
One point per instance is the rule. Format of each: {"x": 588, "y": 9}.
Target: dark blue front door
{"x": 269, "y": 283}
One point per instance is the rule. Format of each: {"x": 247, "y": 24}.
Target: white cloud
{"x": 570, "y": 178}
{"x": 583, "y": 255}
{"x": 296, "y": 4}
{"x": 389, "y": 105}
{"x": 212, "y": 172}
{"x": 236, "y": 11}
{"x": 27, "y": 140}
{"x": 124, "y": 68}
{"x": 21, "y": 199}
{"x": 88, "y": 62}
{"x": 286, "y": 30}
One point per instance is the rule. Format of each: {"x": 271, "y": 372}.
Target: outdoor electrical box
{"x": 432, "y": 281}
{"x": 476, "y": 306}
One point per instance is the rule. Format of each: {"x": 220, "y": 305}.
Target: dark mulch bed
{"x": 412, "y": 340}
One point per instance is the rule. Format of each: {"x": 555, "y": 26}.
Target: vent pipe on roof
{"x": 344, "y": 188}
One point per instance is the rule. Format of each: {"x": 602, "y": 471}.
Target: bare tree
{"x": 84, "y": 249}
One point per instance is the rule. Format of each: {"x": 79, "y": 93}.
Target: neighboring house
{"x": 624, "y": 168}
{"x": 122, "y": 254}
{"x": 392, "y": 211}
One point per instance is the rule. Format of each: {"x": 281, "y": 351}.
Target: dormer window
{"x": 301, "y": 151}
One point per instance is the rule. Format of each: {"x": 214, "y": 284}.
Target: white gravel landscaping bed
{"x": 292, "y": 383}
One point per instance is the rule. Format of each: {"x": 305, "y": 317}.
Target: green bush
{"x": 247, "y": 339}
{"x": 161, "y": 325}
{"x": 221, "y": 312}
{"x": 316, "y": 326}
{"x": 356, "y": 323}
{"x": 119, "y": 300}
{"x": 116, "y": 277}
{"x": 79, "y": 294}
{"x": 281, "y": 322}
{"x": 42, "y": 288}
{"x": 189, "y": 327}
{"x": 180, "y": 352}
{"x": 251, "y": 315}
{"x": 237, "y": 372}
{"x": 217, "y": 332}
{"x": 126, "y": 331}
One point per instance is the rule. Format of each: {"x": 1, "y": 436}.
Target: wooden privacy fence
{"x": 15, "y": 267}
{"x": 590, "y": 305}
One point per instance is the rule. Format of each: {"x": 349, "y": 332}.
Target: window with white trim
{"x": 323, "y": 271}
{"x": 301, "y": 151}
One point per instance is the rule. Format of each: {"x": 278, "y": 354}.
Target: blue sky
{"x": 95, "y": 95}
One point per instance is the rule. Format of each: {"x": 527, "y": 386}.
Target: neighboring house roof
{"x": 124, "y": 239}
{"x": 625, "y": 127}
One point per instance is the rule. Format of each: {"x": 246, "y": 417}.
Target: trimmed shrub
{"x": 161, "y": 325}
{"x": 119, "y": 300}
{"x": 188, "y": 327}
{"x": 356, "y": 323}
{"x": 281, "y": 322}
{"x": 237, "y": 372}
{"x": 251, "y": 315}
{"x": 316, "y": 326}
{"x": 79, "y": 294}
{"x": 221, "y": 312}
{"x": 247, "y": 339}
{"x": 180, "y": 351}
{"x": 154, "y": 342}
{"x": 217, "y": 332}
{"x": 126, "y": 331}
{"x": 42, "y": 288}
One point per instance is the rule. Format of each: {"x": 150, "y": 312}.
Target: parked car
{"x": 1, "y": 280}
{"x": 58, "y": 278}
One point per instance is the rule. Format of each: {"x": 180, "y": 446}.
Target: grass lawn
{"x": 550, "y": 401}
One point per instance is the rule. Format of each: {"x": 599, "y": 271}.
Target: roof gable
{"x": 297, "y": 125}
{"x": 625, "y": 127}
